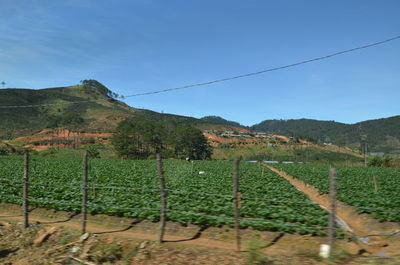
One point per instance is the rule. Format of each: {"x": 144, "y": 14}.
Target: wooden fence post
{"x": 236, "y": 200}
{"x": 332, "y": 213}
{"x": 163, "y": 196}
{"x": 25, "y": 191}
{"x": 84, "y": 191}
{"x": 375, "y": 184}
{"x": 365, "y": 154}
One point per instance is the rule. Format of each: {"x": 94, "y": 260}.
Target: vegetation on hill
{"x": 222, "y": 121}
{"x": 380, "y": 135}
{"x": 98, "y": 110}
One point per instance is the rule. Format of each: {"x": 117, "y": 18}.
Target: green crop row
{"x": 198, "y": 193}
{"x": 375, "y": 191}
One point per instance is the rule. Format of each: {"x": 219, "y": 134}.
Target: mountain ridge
{"x": 380, "y": 135}
{"x": 54, "y": 108}
{"x": 101, "y": 111}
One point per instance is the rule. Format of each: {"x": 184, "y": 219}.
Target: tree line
{"x": 143, "y": 139}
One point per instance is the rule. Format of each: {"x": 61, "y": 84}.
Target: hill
{"x": 221, "y": 121}
{"x": 98, "y": 110}
{"x": 381, "y": 135}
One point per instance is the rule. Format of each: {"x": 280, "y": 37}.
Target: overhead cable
{"x": 226, "y": 78}
{"x": 266, "y": 70}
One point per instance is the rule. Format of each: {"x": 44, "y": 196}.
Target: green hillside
{"x": 381, "y": 135}
{"x": 222, "y": 121}
{"x": 98, "y": 110}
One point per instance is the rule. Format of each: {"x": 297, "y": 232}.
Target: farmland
{"x": 375, "y": 191}
{"x": 131, "y": 189}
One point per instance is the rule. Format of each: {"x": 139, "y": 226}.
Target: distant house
{"x": 376, "y": 153}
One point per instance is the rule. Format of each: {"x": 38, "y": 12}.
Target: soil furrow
{"x": 361, "y": 224}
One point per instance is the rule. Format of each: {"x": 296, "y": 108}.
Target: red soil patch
{"x": 66, "y": 135}
{"x": 216, "y": 140}
{"x": 287, "y": 147}
{"x": 284, "y": 138}
{"x": 60, "y": 134}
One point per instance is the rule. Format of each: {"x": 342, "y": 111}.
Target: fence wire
{"x": 274, "y": 203}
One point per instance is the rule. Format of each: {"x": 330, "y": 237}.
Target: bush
{"x": 375, "y": 161}
{"x": 3, "y": 151}
{"x": 103, "y": 253}
{"x": 93, "y": 151}
{"x": 255, "y": 255}
{"x": 379, "y": 161}
{"x": 387, "y": 161}
{"x": 49, "y": 152}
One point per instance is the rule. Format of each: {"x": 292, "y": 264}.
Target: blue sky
{"x": 135, "y": 46}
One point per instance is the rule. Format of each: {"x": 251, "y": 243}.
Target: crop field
{"x": 131, "y": 189}
{"x": 356, "y": 187}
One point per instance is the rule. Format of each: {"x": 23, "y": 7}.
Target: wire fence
{"x": 230, "y": 217}
{"x": 185, "y": 192}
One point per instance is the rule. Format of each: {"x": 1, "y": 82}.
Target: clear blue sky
{"x": 135, "y": 46}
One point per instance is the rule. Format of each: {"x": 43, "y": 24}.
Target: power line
{"x": 227, "y": 78}
{"x": 266, "y": 70}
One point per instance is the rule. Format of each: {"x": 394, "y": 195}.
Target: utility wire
{"x": 227, "y": 78}
{"x": 266, "y": 70}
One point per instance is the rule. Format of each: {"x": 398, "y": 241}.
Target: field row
{"x": 375, "y": 191}
{"x": 130, "y": 188}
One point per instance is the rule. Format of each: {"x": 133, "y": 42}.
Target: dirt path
{"x": 221, "y": 238}
{"x": 362, "y": 225}
{"x": 284, "y": 248}
{"x": 95, "y": 228}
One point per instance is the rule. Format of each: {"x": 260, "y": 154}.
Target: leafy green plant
{"x": 93, "y": 151}
{"x": 375, "y": 161}
{"x": 130, "y": 188}
{"x": 356, "y": 187}
{"x": 255, "y": 255}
